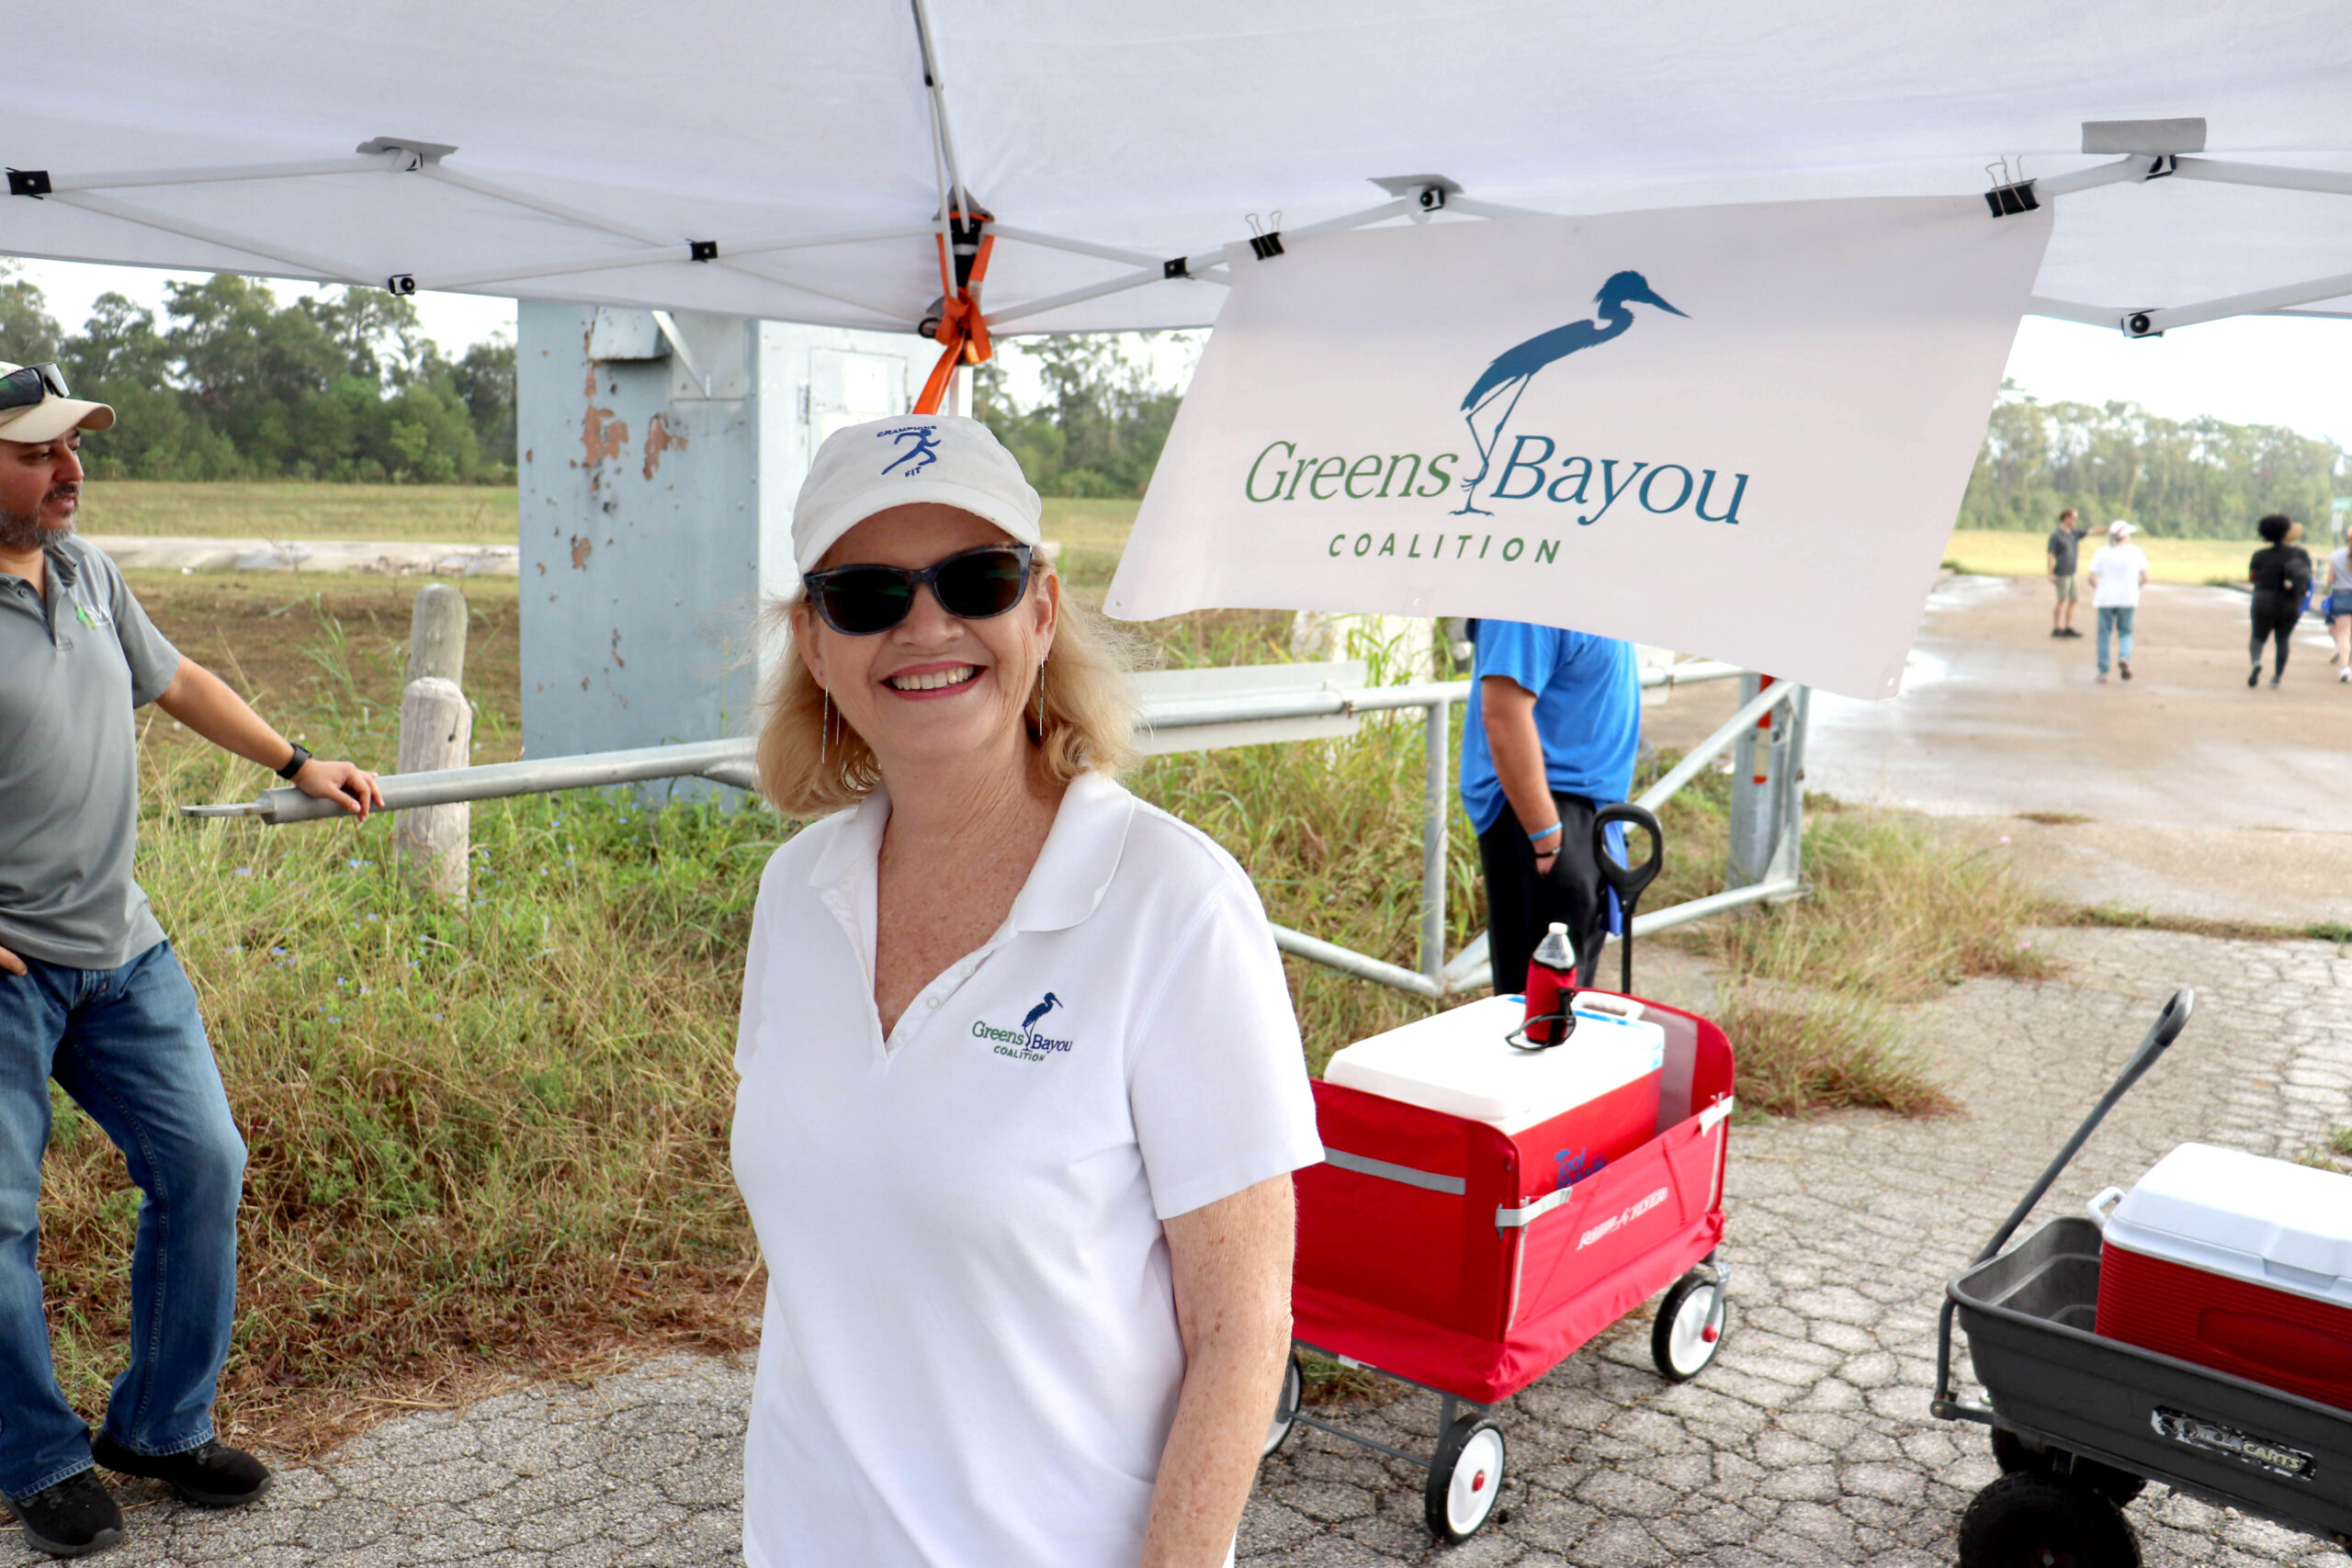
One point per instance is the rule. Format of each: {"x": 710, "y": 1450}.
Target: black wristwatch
{"x": 294, "y": 763}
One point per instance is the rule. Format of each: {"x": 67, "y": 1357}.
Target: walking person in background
{"x": 1549, "y": 737}
{"x": 2281, "y": 574}
{"x": 2066, "y": 546}
{"x": 92, "y": 997}
{"x": 2339, "y": 604}
{"x": 2119, "y": 571}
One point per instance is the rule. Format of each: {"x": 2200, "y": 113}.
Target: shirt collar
{"x": 1072, "y": 873}
{"x": 62, "y": 562}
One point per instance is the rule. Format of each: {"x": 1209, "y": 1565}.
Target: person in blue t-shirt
{"x": 1550, "y": 736}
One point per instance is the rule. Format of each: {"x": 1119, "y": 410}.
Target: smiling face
{"x": 932, "y": 691}
{"x": 40, "y": 486}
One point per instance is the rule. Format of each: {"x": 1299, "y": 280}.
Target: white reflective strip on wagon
{"x": 1505, "y": 1218}
{"x": 1429, "y": 1180}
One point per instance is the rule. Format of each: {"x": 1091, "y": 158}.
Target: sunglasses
{"x": 33, "y": 384}
{"x": 971, "y": 585}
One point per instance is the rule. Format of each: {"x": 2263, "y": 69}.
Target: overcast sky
{"x": 2263, "y": 370}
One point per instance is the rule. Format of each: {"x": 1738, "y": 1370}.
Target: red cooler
{"x": 1483, "y": 1211}
{"x": 2238, "y": 1263}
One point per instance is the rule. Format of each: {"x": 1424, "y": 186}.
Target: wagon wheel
{"x": 1465, "y": 1477}
{"x": 1690, "y": 1327}
{"x": 1285, "y": 1407}
{"x": 2028, "y": 1519}
{"x": 2015, "y": 1457}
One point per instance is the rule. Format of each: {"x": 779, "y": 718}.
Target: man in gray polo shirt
{"x": 91, "y": 995}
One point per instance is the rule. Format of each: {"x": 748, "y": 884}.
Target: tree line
{"x": 1098, "y": 429}
{"x": 343, "y": 385}
{"x": 2200, "y": 478}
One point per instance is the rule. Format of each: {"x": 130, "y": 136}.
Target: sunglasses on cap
{"x": 33, "y": 384}
{"x": 971, "y": 585}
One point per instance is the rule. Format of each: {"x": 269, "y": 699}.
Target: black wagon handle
{"x": 1625, "y": 880}
{"x": 2159, "y": 1036}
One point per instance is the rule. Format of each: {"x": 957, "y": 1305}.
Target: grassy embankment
{"x": 498, "y": 1139}
{"x": 454, "y": 515}
{"x": 1990, "y": 552}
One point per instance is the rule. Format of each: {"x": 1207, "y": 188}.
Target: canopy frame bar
{"x": 300, "y": 265}
{"x": 2143, "y": 167}
{"x": 681, "y": 251}
{"x": 1160, "y": 272}
{"x": 392, "y": 161}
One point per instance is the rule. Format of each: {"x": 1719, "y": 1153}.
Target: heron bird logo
{"x": 1514, "y": 367}
{"x": 1040, "y": 1011}
{"x": 922, "y": 455}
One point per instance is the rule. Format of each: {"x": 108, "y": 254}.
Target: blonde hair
{"x": 812, "y": 764}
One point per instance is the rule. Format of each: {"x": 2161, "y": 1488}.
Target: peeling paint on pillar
{"x": 658, "y": 440}
{"x": 648, "y": 564}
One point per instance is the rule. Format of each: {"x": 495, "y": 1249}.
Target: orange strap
{"x": 962, "y": 329}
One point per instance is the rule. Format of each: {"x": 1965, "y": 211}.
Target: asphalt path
{"x": 2180, "y": 792}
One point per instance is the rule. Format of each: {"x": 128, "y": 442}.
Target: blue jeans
{"x": 128, "y": 1045}
{"x": 2115, "y": 618}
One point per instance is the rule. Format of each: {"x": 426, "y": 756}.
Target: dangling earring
{"x": 1041, "y": 702}
{"x": 825, "y": 730}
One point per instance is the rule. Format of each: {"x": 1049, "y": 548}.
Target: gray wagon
{"x": 2080, "y": 1423}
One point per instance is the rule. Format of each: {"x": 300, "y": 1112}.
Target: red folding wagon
{"x": 1446, "y": 1253}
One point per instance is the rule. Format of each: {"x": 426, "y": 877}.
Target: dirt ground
{"x": 269, "y": 635}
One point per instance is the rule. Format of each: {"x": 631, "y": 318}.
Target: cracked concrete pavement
{"x": 1807, "y": 1442}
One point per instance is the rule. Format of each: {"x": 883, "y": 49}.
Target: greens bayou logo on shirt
{"x": 1532, "y": 468}
{"x": 1025, "y": 1043}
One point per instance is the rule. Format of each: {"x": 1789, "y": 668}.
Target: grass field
{"x": 2001, "y": 553}
{"x": 456, "y": 514}
{"x": 1094, "y": 532}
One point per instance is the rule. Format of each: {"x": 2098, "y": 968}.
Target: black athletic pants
{"x": 2275, "y": 615}
{"x": 1521, "y": 905}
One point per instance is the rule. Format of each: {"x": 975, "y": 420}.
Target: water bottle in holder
{"x": 1551, "y": 994}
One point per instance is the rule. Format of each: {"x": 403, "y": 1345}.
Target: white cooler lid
{"x": 2267, "y": 1222}
{"x": 1459, "y": 1062}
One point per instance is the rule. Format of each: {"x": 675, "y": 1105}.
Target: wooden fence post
{"x": 436, "y": 634}
{"x": 431, "y": 843}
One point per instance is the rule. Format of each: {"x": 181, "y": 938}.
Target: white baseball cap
{"x": 53, "y": 416}
{"x": 938, "y": 458}
{"x": 2121, "y": 527}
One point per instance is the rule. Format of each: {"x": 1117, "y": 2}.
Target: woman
{"x": 2339, "y": 604}
{"x": 2281, "y": 574}
{"x": 1022, "y": 1089}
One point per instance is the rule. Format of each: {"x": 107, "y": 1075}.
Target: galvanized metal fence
{"x": 1207, "y": 710}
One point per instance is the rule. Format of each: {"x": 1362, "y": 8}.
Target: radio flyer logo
{"x": 1623, "y": 1217}
{"x": 914, "y": 458}
{"x": 1572, "y": 1165}
{"x": 1025, "y": 1043}
{"x": 1591, "y": 486}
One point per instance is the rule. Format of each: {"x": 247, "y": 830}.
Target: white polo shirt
{"x": 969, "y": 1352}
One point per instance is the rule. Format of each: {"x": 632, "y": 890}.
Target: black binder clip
{"x": 29, "y": 182}
{"x": 2011, "y": 196}
{"x": 1266, "y": 241}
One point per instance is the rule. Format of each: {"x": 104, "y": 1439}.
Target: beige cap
{"x": 2119, "y": 529}
{"x": 944, "y": 459}
{"x": 51, "y": 417}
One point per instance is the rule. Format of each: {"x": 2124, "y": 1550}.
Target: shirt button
{"x": 932, "y": 1002}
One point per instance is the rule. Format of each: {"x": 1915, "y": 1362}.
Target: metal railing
{"x": 1165, "y": 712}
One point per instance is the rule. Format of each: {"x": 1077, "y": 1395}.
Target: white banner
{"x": 1741, "y": 431}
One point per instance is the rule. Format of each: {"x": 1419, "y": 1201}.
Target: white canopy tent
{"x": 592, "y": 152}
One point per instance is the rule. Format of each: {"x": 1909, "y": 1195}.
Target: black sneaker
{"x": 212, "y": 1475}
{"x": 73, "y": 1518}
